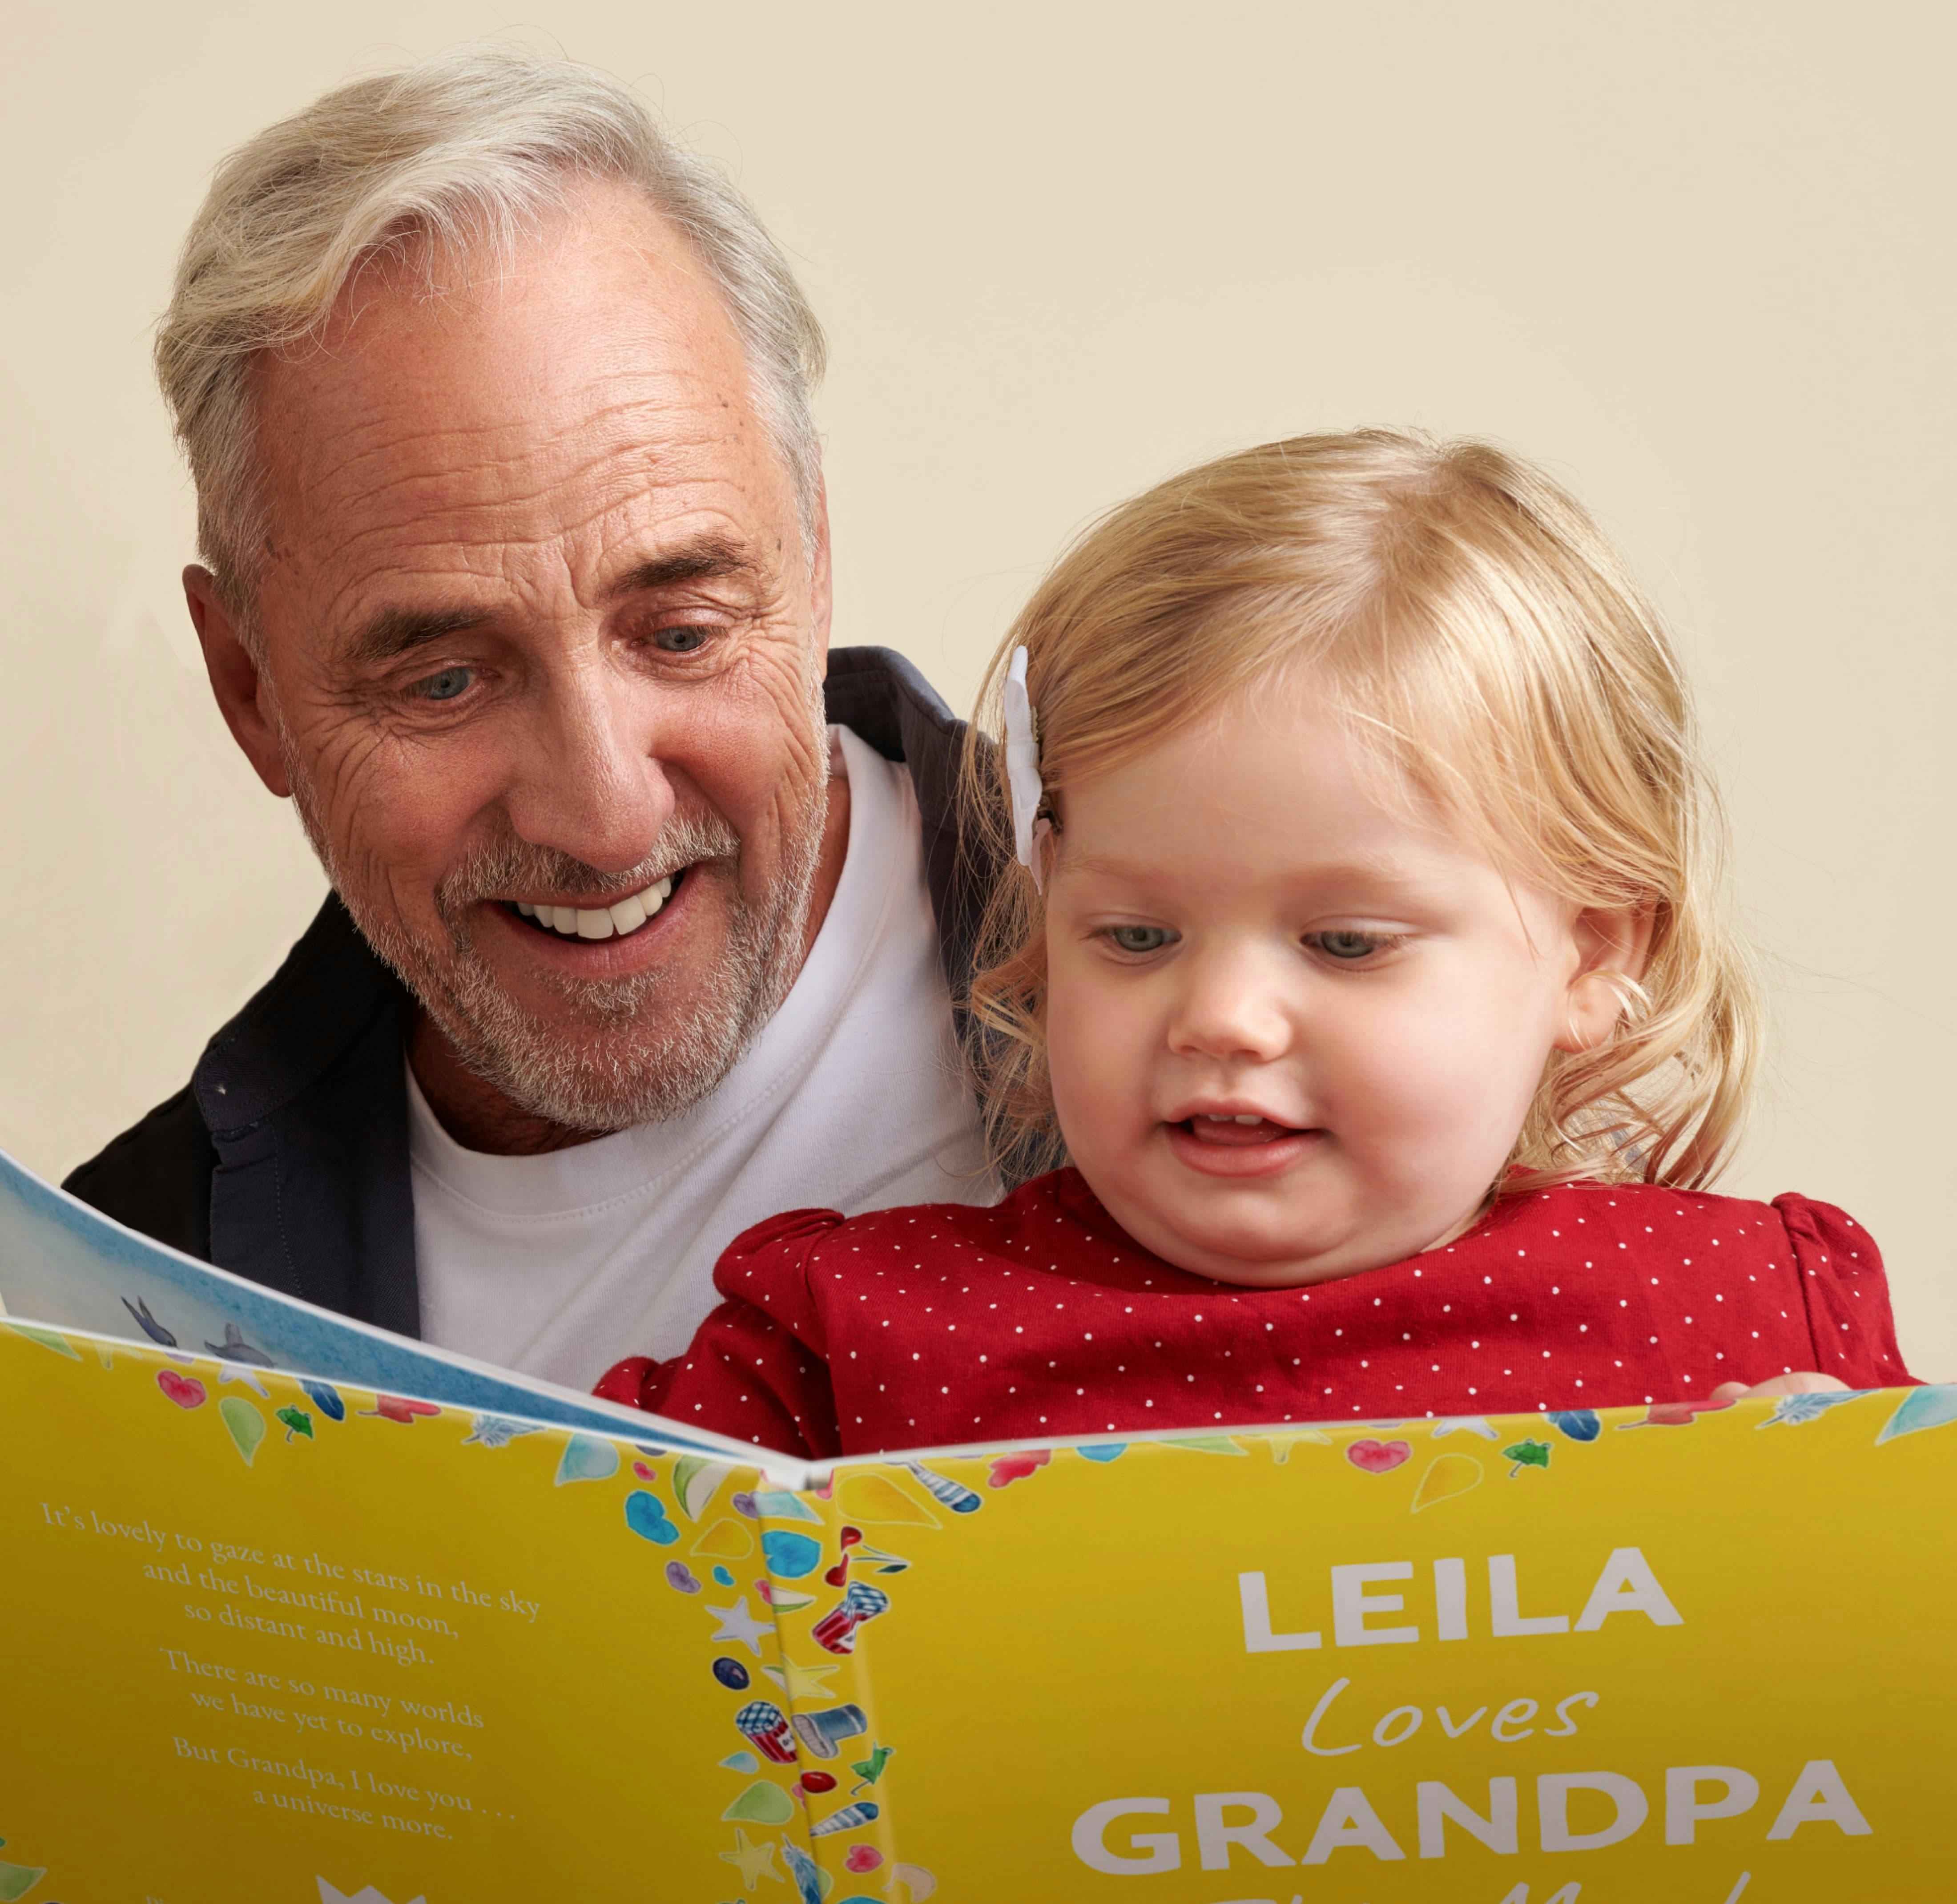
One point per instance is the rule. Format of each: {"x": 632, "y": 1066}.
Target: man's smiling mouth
{"x": 621, "y": 919}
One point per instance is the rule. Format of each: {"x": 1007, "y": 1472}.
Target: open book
{"x": 298, "y": 1612}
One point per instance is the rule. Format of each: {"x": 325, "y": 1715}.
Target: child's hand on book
{"x": 1803, "y": 1382}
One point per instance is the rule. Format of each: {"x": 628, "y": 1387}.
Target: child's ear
{"x": 1612, "y": 945}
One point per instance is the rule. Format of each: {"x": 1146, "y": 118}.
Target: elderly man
{"x": 516, "y": 581}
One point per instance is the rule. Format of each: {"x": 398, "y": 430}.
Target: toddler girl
{"x": 1363, "y": 961}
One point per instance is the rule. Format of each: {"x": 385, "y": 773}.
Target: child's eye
{"x": 1140, "y": 938}
{"x": 1348, "y": 946}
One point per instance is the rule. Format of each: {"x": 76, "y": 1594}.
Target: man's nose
{"x": 1233, "y": 1003}
{"x": 590, "y": 785}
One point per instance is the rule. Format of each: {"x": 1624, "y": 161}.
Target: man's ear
{"x": 242, "y": 692}
{"x": 820, "y": 585}
{"x": 1612, "y": 946}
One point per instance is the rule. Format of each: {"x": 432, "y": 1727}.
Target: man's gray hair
{"x": 461, "y": 154}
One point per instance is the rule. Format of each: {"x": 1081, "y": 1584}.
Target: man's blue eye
{"x": 1140, "y": 938}
{"x": 1345, "y": 945}
{"x": 685, "y": 639}
{"x": 446, "y": 685}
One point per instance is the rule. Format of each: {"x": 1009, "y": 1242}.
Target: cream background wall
{"x": 1699, "y": 257}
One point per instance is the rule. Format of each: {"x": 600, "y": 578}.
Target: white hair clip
{"x": 1030, "y": 826}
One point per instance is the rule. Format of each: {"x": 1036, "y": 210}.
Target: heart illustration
{"x": 646, "y": 1515}
{"x": 862, "y": 1858}
{"x": 1378, "y": 1457}
{"x": 185, "y": 1390}
{"x": 395, "y": 1408}
{"x": 645, "y": 1473}
{"x": 791, "y": 1556}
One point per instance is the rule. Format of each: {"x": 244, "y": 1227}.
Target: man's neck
{"x": 480, "y": 1116}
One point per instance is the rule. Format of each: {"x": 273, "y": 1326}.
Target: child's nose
{"x": 1231, "y": 1007}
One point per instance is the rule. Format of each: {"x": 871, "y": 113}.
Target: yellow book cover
{"x": 397, "y": 1628}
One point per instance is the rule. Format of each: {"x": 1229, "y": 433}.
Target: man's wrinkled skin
{"x": 538, "y": 620}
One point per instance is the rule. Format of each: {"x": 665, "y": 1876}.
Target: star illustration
{"x": 738, "y": 1624}
{"x": 1467, "y": 1424}
{"x": 802, "y": 1682}
{"x": 752, "y": 1860}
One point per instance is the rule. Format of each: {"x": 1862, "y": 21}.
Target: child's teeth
{"x": 1256, "y": 1120}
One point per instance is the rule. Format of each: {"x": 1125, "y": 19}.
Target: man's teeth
{"x": 1211, "y": 1117}
{"x": 624, "y": 916}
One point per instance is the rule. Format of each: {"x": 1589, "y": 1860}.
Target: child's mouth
{"x": 1226, "y": 1145}
{"x": 1236, "y": 1133}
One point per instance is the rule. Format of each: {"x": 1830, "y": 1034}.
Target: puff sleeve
{"x": 756, "y": 1368}
{"x": 1847, "y": 1295}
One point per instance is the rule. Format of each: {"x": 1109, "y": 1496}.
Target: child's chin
{"x": 1253, "y": 1256}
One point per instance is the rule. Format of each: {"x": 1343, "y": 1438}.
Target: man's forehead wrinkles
{"x": 395, "y": 520}
{"x": 545, "y": 502}
{"x": 636, "y": 421}
{"x": 528, "y": 497}
{"x": 509, "y": 554}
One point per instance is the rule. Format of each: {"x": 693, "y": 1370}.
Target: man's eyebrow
{"x": 701, "y": 561}
{"x": 392, "y": 632}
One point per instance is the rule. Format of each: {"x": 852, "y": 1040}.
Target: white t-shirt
{"x": 850, "y": 1099}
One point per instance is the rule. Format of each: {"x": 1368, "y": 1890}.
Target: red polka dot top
{"x": 941, "y": 1323}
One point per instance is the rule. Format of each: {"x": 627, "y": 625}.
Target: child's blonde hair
{"x": 1473, "y": 623}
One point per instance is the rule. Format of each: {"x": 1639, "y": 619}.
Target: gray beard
{"x": 614, "y": 1056}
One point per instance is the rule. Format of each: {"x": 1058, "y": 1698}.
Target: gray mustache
{"x": 508, "y": 865}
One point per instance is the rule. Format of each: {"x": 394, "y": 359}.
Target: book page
{"x": 275, "y": 1641}
{"x": 1677, "y": 1653}
{"x": 64, "y": 1264}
